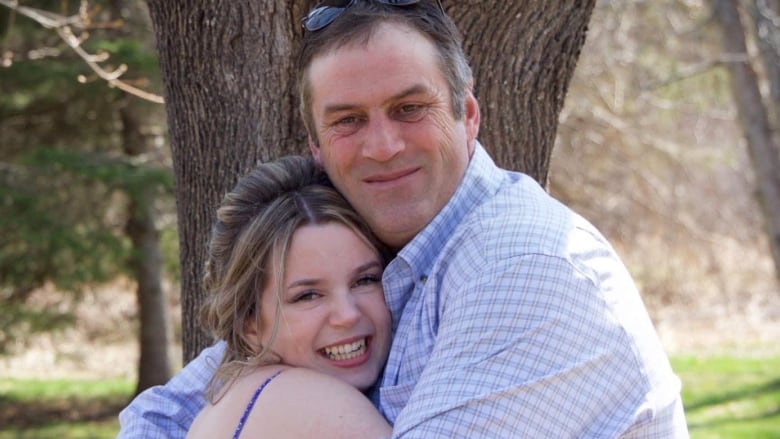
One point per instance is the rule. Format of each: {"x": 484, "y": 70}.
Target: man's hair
{"x": 359, "y": 21}
{"x": 251, "y": 236}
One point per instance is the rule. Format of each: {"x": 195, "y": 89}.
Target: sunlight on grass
{"x": 66, "y": 430}
{"x": 30, "y": 390}
{"x": 731, "y": 397}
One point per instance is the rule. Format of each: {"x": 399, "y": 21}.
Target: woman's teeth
{"x": 346, "y": 351}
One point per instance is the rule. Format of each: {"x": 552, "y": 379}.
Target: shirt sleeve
{"x": 168, "y": 411}
{"x": 535, "y": 347}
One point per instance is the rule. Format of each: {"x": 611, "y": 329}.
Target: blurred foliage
{"x": 113, "y": 172}
{"x": 63, "y": 228}
{"x": 64, "y": 180}
{"x": 132, "y": 52}
{"x": 169, "y": 243}
{"x": 649, "y": 149}
{"x": 17, "y": 321}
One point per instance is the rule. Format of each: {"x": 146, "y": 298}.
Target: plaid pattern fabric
{"x": 513, "y": 317}
{"x": 168, "y": 411}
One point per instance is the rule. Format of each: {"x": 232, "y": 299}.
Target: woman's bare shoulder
{"x": 224, "y": 414}
{"x": 305, "y": 403}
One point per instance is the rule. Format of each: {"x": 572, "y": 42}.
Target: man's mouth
{"x": 345, "y": 351}
{"x": 385, "y": 178}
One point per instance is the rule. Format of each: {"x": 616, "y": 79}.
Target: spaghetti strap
{"x": 251, "y": 404}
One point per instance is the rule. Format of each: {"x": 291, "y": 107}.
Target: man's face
{"x": 387, "y": 135}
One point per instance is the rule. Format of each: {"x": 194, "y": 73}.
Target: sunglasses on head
{"x": 322, "y": 16}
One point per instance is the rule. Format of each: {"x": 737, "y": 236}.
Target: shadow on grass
{"x": 26, "y": 414}
{"x": 746, "y": 393}
{"x": 773, "y": 413}
{"x": 755, "y": 420}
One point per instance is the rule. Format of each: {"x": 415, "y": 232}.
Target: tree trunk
{"x": 229, "y": 81}
{"x": 523, "y": 54}
{"x": 154, "y": 330}
{"x": 227, "y": 74}
{"x": 766, "y": 16}
{"x": 755, "y": 122}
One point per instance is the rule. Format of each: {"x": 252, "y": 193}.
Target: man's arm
{"x": 167, "y": 411}
{"x": 540, "y": 347}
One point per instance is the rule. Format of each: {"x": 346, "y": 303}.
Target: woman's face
{"x": 333, "y": 314}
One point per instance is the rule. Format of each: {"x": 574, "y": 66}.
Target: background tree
{"x": 81, "y": 170}
{"x": 754, "y": 116}
{"x": 229, "y": 81}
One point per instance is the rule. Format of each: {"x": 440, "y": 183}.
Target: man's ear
{"x": 315, "y": 150}
{"x": 471, "y": 116}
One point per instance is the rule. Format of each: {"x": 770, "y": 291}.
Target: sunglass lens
{"x": 399, "y": 2}
{"x": 321, "y": 17}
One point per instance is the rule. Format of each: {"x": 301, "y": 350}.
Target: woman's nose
{"x": 345, "y": 311}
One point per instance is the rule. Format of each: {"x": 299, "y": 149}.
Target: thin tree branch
{"x": 696, "y": 70}
{"x": 62, "y": 25}
{"x": 6, "y": 56}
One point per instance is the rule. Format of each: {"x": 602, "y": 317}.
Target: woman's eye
{"x": 306, "y": 296}
{"x": 368, "y": 280}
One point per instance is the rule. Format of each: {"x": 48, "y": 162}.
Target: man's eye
{"x": 349, "y": 120}
{"x": 410, "y": 112}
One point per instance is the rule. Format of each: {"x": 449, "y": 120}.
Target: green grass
{"x": 106, "y": 429}
{"x": 61, "y": 409}
{"x": 724, "y": 396}
{"x": 730, "y": 397}
{"x": 30, "y": 390}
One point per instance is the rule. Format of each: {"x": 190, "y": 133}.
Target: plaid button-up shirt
{"x": 514, "y": 317}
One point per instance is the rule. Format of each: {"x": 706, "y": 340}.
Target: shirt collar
{"x": 480, "y": 181}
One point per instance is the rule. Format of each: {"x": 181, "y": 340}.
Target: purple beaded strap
{"x": 251, "y": 404}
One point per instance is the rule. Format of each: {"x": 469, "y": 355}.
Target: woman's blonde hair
{"x": 251, "y": 235}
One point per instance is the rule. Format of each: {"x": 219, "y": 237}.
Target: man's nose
{"x": 383, "y": 139}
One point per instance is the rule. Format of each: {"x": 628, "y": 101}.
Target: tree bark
{"x": 754, "y": 120}
{"x": 523, "y": 54}
{"x": 226, "y": 67}
{"x": 154, "y": 329}
{"x": 229, "y": 82}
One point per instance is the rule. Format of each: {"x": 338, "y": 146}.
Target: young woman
{"x": 294, "y": 276}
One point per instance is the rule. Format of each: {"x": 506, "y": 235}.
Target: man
{"x": 512, "y": 316}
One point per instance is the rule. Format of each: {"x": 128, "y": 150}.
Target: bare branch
{"x": 698, "y": 69}
{"x": 62, "y": 25}
{"x": 47, "y": 19}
